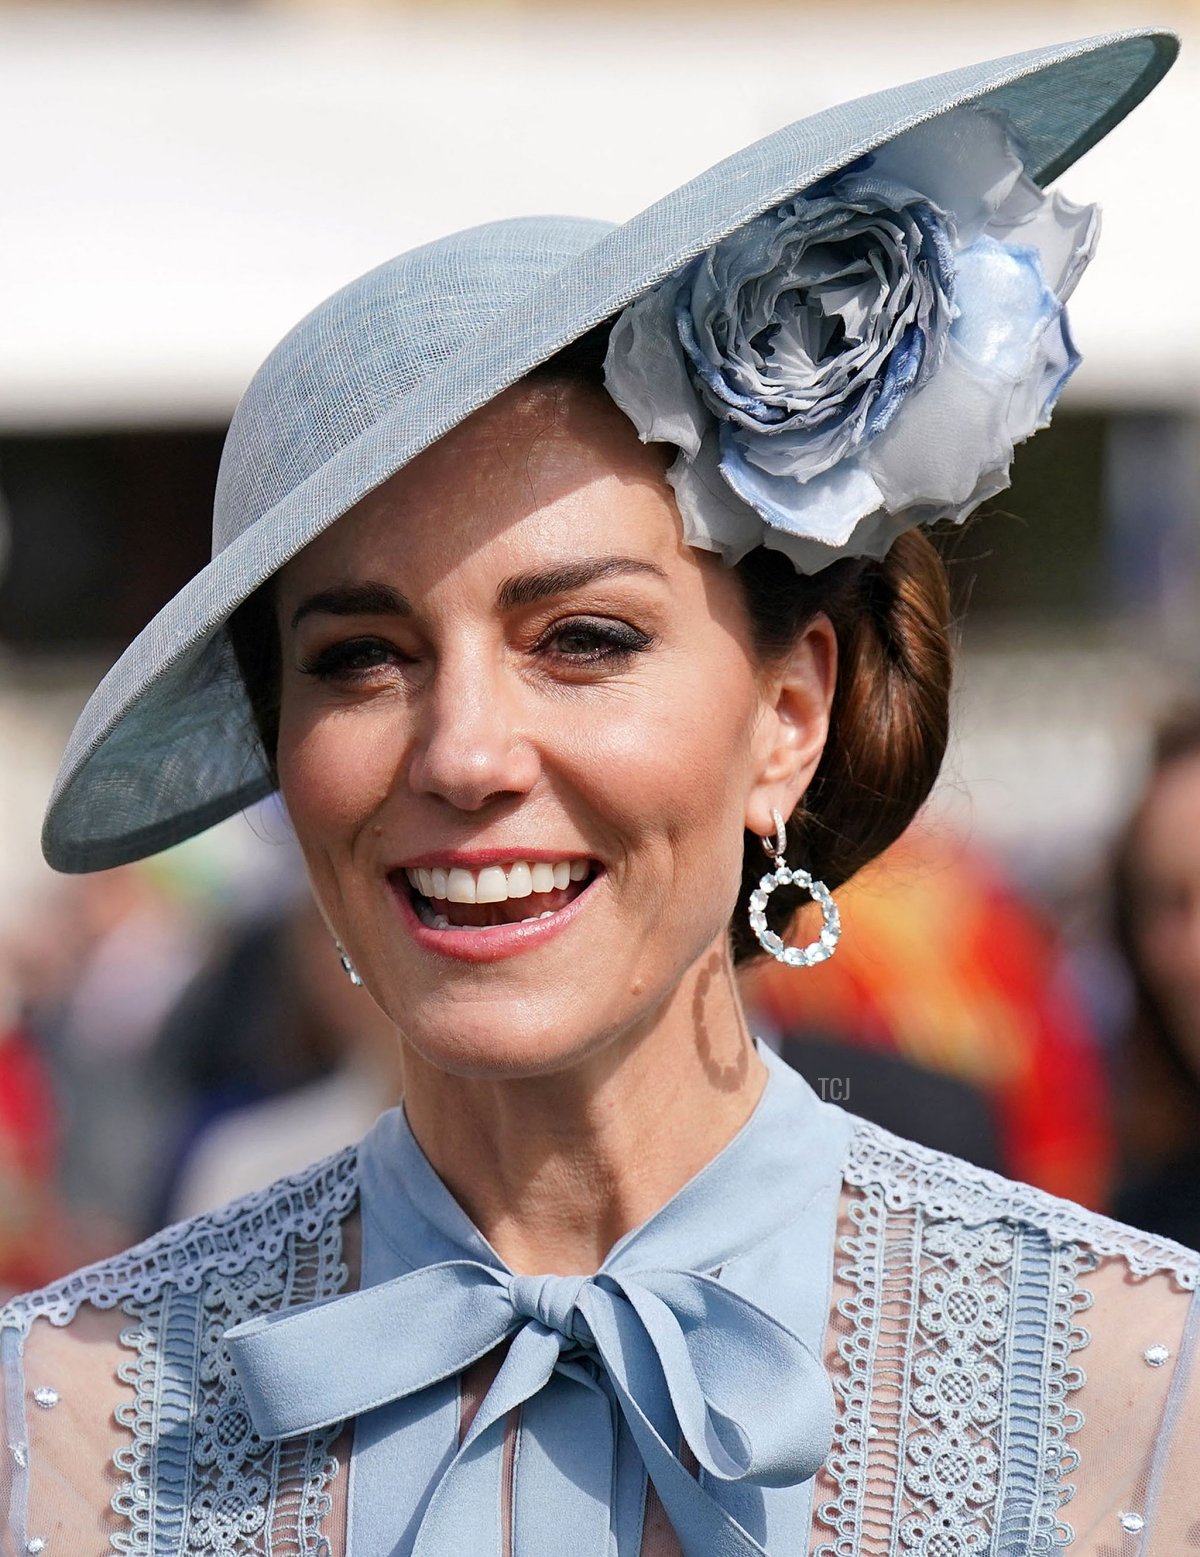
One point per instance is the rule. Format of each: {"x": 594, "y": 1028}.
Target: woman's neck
{"x": 554, "y": 1169}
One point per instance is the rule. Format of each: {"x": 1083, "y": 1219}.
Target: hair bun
{"x": 890, "y": 718}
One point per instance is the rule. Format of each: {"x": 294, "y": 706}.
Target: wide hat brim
{"x": 166, "y": 745}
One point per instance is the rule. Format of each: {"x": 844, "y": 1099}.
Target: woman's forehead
{"x": 545, "y": 473}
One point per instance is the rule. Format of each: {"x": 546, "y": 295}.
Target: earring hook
{"x": 778, "y": 846}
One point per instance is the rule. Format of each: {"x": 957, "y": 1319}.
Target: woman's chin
{"x": 499, "y": 1039}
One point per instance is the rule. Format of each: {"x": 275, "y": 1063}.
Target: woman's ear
{"x": 789, "y": 740}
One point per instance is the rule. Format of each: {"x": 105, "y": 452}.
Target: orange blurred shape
{"x": 944, "y": 964}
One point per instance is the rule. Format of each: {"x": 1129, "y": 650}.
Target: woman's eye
{"x": 346, "y": 661}
{"x": 586, "y": 641}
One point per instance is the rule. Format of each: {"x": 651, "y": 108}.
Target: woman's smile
{"x": 484, "y": 906}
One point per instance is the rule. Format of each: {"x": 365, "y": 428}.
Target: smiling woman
{"x": 888, "y": 618}
{"x": 537, "y": 691}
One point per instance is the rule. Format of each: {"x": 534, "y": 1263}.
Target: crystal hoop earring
{"x": 348, "y": 967}
{"x": 783, "y": 875}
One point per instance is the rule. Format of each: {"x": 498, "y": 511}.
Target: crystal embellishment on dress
{"x": 20, "y": 1455}
{"x": 1157, "y": 1354}
{"x": 1132, "y": 1523}
{"x": 46, "y": 1397}
{"x": 34, "y": 1545}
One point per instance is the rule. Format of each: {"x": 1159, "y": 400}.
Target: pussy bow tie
{"x": 674, "y": 1354}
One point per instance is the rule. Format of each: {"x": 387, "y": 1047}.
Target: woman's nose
{"x": 468, "y": 749}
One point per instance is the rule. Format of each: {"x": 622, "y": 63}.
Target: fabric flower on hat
{"x": 864, "y": 357}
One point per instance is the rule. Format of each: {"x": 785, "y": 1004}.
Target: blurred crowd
{"x": 167, "y": 1044}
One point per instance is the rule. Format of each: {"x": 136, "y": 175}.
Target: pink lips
{"x": 492, "y": 942}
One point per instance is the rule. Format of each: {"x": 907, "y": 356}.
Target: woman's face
{"x": 1166, "y": 908}
{"x": 507, "y": 678}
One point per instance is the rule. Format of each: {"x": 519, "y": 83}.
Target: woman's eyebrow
{"x": 528, "y": 588}
{"x": 365, "y": 599}
{"x": 373, "y": 598}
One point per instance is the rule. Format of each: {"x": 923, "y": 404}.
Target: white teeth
{"x": 520, "y": 880}
{"x": 460, "y": 886}
{"x": 494, "y": 883}
{"x": 491, "y": 885}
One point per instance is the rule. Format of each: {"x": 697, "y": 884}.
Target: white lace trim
{"x": 224, "y": 1242}
{"x": 942, "y": 1186}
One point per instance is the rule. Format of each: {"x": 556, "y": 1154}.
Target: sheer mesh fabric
{"x": 1173, "y": 1498}
{"x": 71, "y": 1447}
{"x": 925, "y": 1422}
{"x": 80, "y": 1451}
{"x": 1132, "y": 1492}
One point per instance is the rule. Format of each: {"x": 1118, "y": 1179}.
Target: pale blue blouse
{"x": 924, "y": 1350}
{"x": 703, "y": 1326}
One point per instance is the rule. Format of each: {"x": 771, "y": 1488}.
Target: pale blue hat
{"x": 166, "y": 745}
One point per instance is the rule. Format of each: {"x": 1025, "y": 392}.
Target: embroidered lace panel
{"x": 951, "y": 1433}
{"x": 195, "y": 1479}
{"x": 960, "y": 1318}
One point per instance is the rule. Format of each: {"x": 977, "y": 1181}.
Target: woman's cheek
{"x": 696, "y": 738}
{"x": 336, "y": 770}
{"x": 677, "y": 766}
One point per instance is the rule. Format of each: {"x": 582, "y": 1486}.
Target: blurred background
{"x": 181, "y": 183}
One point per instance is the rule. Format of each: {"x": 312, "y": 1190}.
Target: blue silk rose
{"x": 865, "y": 356}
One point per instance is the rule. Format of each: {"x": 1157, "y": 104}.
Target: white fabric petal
{"x": 645, "y": 373}
{"x": 1063, "y": 234}
{"x": 1034, "y": 396}
{"x": 1005, "y": 307}
{"x": 714, "y": 519}
{"x": 1059, "y": 359}
{"x": 825, "y": 509}
{"x": 950, "y": 439}
{"x": 871, "y": 537}
{"x": 962, "y": 161}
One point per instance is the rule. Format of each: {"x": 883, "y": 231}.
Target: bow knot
{"x": 682, "y": 1378}
{"x": 552, "y": 1301}
{"x": 685, "y": 1358}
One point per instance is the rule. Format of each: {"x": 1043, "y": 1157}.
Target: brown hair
{"x": 890, "y": 715}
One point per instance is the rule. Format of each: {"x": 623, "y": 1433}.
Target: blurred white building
{"x": 183, "y": 183}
